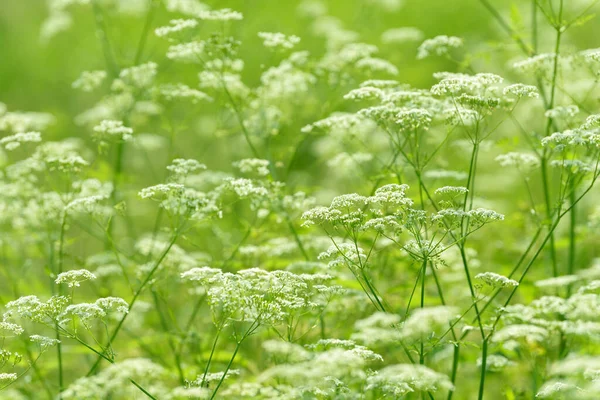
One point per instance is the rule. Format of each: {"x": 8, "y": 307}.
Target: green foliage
{"x": 299, "y": 200}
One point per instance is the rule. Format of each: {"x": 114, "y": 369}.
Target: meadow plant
{"x": 363, "y": 207}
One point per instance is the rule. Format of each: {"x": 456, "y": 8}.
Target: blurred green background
{"x": 36, "y": 75}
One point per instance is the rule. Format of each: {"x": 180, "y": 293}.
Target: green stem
{"x": 545, "y": 184}
{"x": 142, "y": 389}
{"x": 60, "y": 365}
{"x": 102, "y": 34}
{"x": 296, "y": 236}
{"x": 461, "y": 244}
{"x": 511, "y": 32}
{"x": 38, "y": 373}
{"x": 483, "y": 367}
{"x": 116, "y": 178}
{"x": 212, "y": 353}
{"x": 455, "y": 362}
{"x": 237, "y": 348}
{"x": 165, "y": 328}
{"x": 456, "y": 353}
{"x": 534, "y": 28}
{"x": 572, "y": 236}
{"x": 144, "y": 37}
{"x": 238, "y": 115}
{"x": 549, "y": 124}
{"x": 135, "y": 297}
{"x": 423, "y": 273}
{"x": 59, "y": 271}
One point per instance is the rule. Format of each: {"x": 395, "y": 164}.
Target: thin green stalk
{"x": 483, "y": 367}
{"x": 412, "y": 293}
{"x": 546, "y": 190}
{"x": 516, "y": 267}
{"x": 142, "y": 389}
{"x": 116, "y": 178}
{"x": 237, "y": 248}
{"x": 511, "y": 32}
{"x": 296, "y": 237}
{"x": 165, "y": 328}
{"x": 455, "y": 362}
{"x": 322, "y": 326}
{"x": 104, "y": 357}
{"x": 238, "y": 115}
{"x": 59, "y": 271}
{"x": 549, "y": 124}
{"x": 461, "y": 244}
{"x": 423, "y": 273}
{"x": 189, "y": 324}
{"x": 38, "y": 373}
{"x": 531, "y": 261}
{"x": 238, "y": 344}
{"x": 60, "y": 364}
{"x": 212, "y": 352}
{"x": 456, "y": 353}
{"x": 145, "y": 30}
{"x": 102, "y": 34}
{"x": 135, "y": 297}
{"x": 534, "y": 27}
{"x": 572, "y": 236}
{"x": 471, "y": 289}
{"x": 237, "y": 348}
{"x": 546, "y": 239}
{"x": 242, "y": 125}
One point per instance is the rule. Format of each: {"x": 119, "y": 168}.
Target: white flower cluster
{"x": 180, "y": 91}
{"x": 379, "y": 329}
{"x": 112, "y": 129}
{"x": 10, "y": 329}
{"x": 278, "y": 40}
{"x": 181, "y": 168}
{"x": 139, "y": 76}
{"x": 451, "y": 191}
{"x": 17, "y": 122}
{"x": 188, "y": 52}
{"x": 176, "y": 27}
{"x": 439, "y": 46}
{"x": 520, "y": 90}
{"x": 225, "y": 14}
{"x": 424, "y": 323}
{"x": 89, "y": 80}
{"x": 88, "y": 312}
{"x": 352, "y": 209}
{"x": 340, "y": 122}
{"x": 180, "y": 200}
{"x": 495, "y": 280}
{"x": 74, "y": 277}
{"x": 262, "y": 297}
{"x": 400, "y": 379}
{"x": 523, "y": 161}
{"x": 115, "y": 380}
{"x": 44, "y": 342}
{"x": 457, "y": 84}
{"x": 323, "y": 369}
{"x": 13, "y": 142}
{"x": 537, "y": 64}
{"x": 253, "y": 166}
